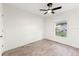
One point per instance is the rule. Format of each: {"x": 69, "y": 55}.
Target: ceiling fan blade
{"x": 43, "y": 10}
{"x": 53, "y": 12}
{"x": 45, "y": 13}
{"x": 57, "y": 8}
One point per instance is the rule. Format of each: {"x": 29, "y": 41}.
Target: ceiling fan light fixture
{"x": 49, "y": 11}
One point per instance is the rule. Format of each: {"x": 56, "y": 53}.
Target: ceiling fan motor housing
{"x": 49, "y": 4}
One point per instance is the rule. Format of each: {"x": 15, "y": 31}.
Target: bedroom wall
{"x": 72, "y": 17}
{"x": 20, "y": 27}
{"x": 1, "y": 33}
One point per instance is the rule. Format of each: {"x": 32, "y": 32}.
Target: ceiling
{"x": 34, "y": 8}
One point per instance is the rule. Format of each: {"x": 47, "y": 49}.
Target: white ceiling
{"x": 35, "y": 7}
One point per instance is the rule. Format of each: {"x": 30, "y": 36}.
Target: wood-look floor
{"x": 43, "y": 48}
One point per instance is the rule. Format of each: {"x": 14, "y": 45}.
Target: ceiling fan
{"x": 50, "y": 9}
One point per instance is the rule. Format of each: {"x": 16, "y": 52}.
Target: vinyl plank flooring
{"x": 43, "y": 48}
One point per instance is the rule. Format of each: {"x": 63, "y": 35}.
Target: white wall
{"x": 72, "y": 17}
{"x": 20, "y": 27}
{"x": 1, "y": 27}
